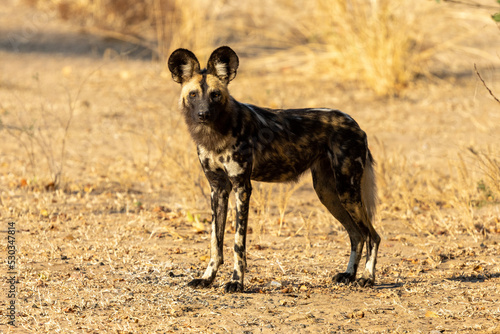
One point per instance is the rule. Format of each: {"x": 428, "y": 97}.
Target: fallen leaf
{"x": 168, "y": 215}
{"x": 44, "y": 213}
{"x": 158, "y": 209}
{"x": 204, "y": 258}
{"x": 41, "y": 284}
{"x": 431, "y": 314}
{"x": 357, "y": 315}
{"x": 69, "y": 310}
{"x": 478, "y": 268}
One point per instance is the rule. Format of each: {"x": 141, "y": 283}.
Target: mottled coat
{"x": 239, "y": 142}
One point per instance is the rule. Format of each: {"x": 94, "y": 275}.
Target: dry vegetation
{"x": 111, "y": 207}
{"x": 377, "y": 43}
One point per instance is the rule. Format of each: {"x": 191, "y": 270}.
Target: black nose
{"x": 203, "y": 115}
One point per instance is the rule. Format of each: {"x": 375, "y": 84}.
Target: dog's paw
{"x": 199, "y": 283}
{"x": 344, "y": 278}
{"x": 233, "y": 286}
{"x": 365, "y": 282}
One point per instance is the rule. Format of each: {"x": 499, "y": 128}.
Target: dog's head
{"x": 204, "y": 92}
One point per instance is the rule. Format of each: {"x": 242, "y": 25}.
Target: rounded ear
{"x": 183, "y": 65}
{"x": 223, "y": 63}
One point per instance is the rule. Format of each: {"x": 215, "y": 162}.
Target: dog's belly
{"x": 282, "y": 167}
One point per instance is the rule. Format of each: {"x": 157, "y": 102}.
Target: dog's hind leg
{"x": 324, "y": 181}
{"x": 369, "y": 197}
{"x": 355, "y": 184}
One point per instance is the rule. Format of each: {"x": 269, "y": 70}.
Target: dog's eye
{"x": 192, "y": 94}
{"x": 215, "y": 95}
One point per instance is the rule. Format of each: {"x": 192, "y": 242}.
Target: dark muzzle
{"x": 204, "y": 115}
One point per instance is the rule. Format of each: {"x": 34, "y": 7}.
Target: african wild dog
{"x": 240, "y": 142}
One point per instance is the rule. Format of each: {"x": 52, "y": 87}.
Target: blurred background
{"x": 380, "y": 44}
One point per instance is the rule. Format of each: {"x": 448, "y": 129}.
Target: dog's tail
{"x": 369, "y": 188}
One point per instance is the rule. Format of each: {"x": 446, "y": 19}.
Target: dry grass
{"x": 382, "y": 45}
{"x": 377, "y": 43}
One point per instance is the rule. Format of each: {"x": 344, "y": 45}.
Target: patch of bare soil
{"x": 112, "y": 249}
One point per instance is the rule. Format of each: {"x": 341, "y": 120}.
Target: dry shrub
{"x": 42, "y": 132}
{"x": 192, "y": 25}
{"x": 489, "y": 165}
{"x": 435, "y": 202}
{"x": 375, "y": 43}
{"x": 382, "y": 45}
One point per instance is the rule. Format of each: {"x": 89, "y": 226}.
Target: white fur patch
{"x": 370, "y": 264}
{"x": 352, "y": 263}
{"x": 221, "y": 70}
{"x": 259, "y": 117}
{"x": 187, "y": 69}
{"x": 233, "y": 168}
{"x": 322, "y": 109}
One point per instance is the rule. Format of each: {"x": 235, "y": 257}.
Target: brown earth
{"x": 113, "y": 247}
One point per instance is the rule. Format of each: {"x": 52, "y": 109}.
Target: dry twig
{"x": 484, "y": 84}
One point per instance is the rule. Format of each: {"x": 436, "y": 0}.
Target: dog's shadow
{"x": 387, "y": 286}
{"x": 474, "y": 278}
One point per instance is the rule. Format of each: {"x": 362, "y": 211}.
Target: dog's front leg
{"x": 221, "y": 188}
{"x": 243, "y": 190}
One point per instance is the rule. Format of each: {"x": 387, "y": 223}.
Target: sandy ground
{"x": 113, "y": 250}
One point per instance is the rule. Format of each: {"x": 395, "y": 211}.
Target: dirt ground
{"x": 112, "y": 249}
